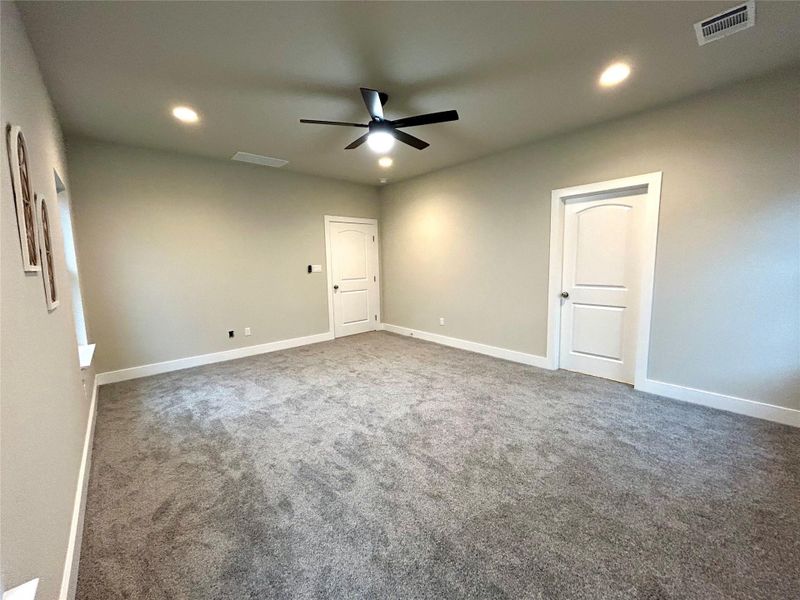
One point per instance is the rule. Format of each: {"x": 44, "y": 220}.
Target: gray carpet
{"x": 380, "y": 466}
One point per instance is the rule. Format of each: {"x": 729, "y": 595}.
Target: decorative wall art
{"x": 46, "y": 253}
{"x": 23, "y": 198}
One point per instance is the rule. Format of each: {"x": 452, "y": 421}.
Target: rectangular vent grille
{"x": 257, "y": 159}
{"x": 725, "y": 23}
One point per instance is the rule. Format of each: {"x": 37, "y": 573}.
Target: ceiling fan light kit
{"x": 382, "y": 132}
{"x": 380, "y": 140}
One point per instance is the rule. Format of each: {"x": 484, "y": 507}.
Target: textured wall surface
{"x": 42, "y": 404}
{"x": 176, "y": 250}
{"x": 471, "y": 243}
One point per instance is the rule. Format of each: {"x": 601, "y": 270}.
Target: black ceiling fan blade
{"x": 343, "y": 124}
{"x": 372, "y": 99}
{"x": 402, "y": 136}
{"x": 430, "y": 118}
{"x": 357, "y": 142}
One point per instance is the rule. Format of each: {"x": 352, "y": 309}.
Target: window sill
{"x": 86, "y": 354}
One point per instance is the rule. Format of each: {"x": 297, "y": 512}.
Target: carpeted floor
{"x": 379, "y": 466}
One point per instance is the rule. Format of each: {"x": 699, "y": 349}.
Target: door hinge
{"x": 373, "y": 238}
{"x": 374, "y": 278}
{"x": 376, "y": 317}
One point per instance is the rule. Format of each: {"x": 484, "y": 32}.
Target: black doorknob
{"x": 565, "y": 294}
{"x": 336, "y": 287}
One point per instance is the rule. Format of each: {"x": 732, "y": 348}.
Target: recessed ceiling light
{"x": 380, "y": 141}
{"x": 614, "y": 74}
{"x": 383, "y": 179}
{"x": 385, "y": 161}
{"x": 185, "y": 114}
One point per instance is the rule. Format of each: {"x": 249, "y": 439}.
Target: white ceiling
{"x": 514, "y": 71}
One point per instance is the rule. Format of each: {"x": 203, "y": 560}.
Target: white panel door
{"x": 354, "y": 269}
{"x": 600, "y": 285}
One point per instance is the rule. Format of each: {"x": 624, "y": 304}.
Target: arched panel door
{"x": 600, "y": 286}
{"x": 354, "y": 270}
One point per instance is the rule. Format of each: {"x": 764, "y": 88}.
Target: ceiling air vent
{"x": 725, "y": 23}
{"x": 257, "y": 159}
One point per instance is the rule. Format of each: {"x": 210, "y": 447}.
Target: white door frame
{"x": 649, "y": 184}
{"x": 328, "y": 267}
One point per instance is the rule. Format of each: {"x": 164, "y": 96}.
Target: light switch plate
{"x": 247, "y": 331}
{"x": 316, "y": 268}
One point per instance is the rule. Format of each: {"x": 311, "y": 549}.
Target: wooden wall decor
{"x": 23, "y": 198}
{"x": 46, "y": 253}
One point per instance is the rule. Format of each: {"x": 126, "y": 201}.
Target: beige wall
{"x": 43, "y": 411}
{"x": 470, "y": 243}
{"x": 177, "y": 250}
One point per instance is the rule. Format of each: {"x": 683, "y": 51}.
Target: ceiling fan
{"x": 382, "y": 132}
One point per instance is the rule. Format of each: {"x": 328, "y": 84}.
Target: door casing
{"x": 648, "y": 184}
{"x": 329, "y": 265}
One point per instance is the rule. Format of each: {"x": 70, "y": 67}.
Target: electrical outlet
{"x": 230, "y": 333}
{"x": 247, "y": 331}
{"x": 441, "y": 320}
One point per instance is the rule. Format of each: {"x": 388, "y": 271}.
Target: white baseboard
{"x": 751, "y": 408}
{"x": 512, "y": 355}
{"x": 205, "y": 359}
{"x": 69, "y": 578}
